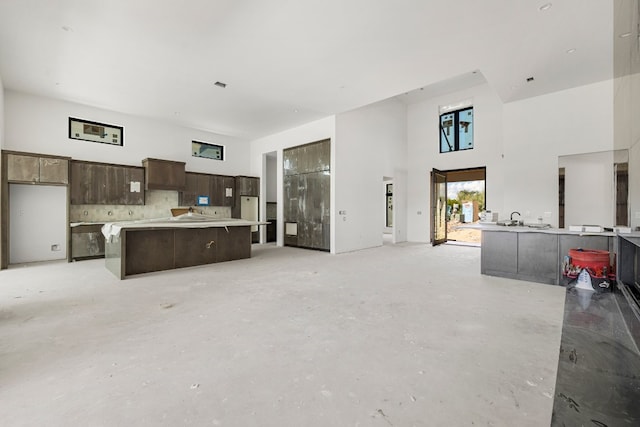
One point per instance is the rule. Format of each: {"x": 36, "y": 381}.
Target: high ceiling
{"x": 286, "y": 63}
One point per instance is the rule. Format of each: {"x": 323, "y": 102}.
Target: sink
{"x": 539, "y": 225}
{"x": 510, "y": 223}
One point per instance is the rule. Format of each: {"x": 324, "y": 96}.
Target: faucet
{"x": 514, "y": 212}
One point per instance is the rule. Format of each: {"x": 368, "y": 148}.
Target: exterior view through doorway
{"x": 457, "y": 198}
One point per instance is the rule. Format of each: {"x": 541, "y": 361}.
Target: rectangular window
{"x": 95, "y": 132}
{"x": 456, "y": 130}
{"x": 206, "y": 150}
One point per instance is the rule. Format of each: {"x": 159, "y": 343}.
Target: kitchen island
{"x": 135, "y": 247}
{"x": 536, "y": 254}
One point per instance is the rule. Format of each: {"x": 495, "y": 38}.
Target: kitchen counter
{"x": 535, "y": 228}
{"x": 536, "y": 255}
{"x": 135, "y": 247}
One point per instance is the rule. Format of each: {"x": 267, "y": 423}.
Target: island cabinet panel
{"x": 104, "y": 184}
{"x": 144, "y": 250}
{"x": 149, "y": 250}
{"x": 499, "y": 253}
{"x": 164, "y": 175}
{"x": 538, "y": 257}
{"x": 233, "y": 243}
{"x": 195, "y": 246}
{"x": 37, "y": 169}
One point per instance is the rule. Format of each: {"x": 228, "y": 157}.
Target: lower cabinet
{"x": 533, "y": 256}
{"x": 87, "y": 241}
{"x": 147, "y": 250}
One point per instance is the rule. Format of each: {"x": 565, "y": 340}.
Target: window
{"x": 206, "y": 150}
{"x": 456, "y": 130}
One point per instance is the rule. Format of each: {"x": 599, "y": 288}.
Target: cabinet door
{"x": 228, "y": 182}
{"x": 203, "y": 187}
{"x": 195, "y": 246}
{"x": 217, "y": 190}
{"x": 119, "y": 180}
{"x": 247, "y": 186}
{"x": 54, "y": 171}
{"x": 23, "y": 168}
{"x": 135, "y": 175}
{"x": 187, "y": 197}
{"x": 88, "y": 184}
{"x": 164, "y": 175}
{"x": 233, "y": 243}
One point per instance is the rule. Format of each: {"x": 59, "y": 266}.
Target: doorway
{"x": 457, "y": 198}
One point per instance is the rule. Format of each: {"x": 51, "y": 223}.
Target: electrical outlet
{"x": 55, "y": 248}
{"x": 637, "y": 215}
{"x": 547, "y": 214}
{"x": 419, "y": 212}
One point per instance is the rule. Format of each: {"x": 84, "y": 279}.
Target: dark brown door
{"x": 438, "y": 207}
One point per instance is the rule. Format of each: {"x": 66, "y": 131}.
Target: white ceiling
{"x": 286, "y": 63}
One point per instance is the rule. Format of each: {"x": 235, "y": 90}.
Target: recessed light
{"x": 624, "y": 35}
{"x": 530, "y": 79}
{"x": 572, "y": 50}
{"x": 66, "y": 28}
{"x": 220, "y": 84}
{"x": 545, "y": 6}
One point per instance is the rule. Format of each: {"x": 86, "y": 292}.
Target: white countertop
{"x": 527, "y": 229}
{"x": 182, "y": 221}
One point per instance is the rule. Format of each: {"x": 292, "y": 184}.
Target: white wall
{"x": 38, "y": 124}
{"x": 370, "y": 144}
{"x": 310, "y": 132}
{"x": 537, "y": 131}
{"x": 589, "y": 178}
{"x": 1, "y": 114}
{"x": 424, "y": 153}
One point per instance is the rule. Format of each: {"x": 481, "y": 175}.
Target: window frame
{"x": 455, "y": 144}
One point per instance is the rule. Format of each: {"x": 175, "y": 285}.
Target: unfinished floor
{"x": 400, "y": 335}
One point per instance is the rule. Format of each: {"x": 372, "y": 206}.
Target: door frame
{"x": 457, "y": 176}
{"x": 437, "y": 177}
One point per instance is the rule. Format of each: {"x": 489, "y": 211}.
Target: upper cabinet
{"x": 105, "y": 184}
{"x": 34, "y": 168}
{"x": 219, "y": 189}
{"x": 164, "y": 175}
{"x": 247, "y": 186}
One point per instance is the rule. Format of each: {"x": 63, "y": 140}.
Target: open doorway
{"x": 458, "y": 196}
{"x": 387, "y": 230}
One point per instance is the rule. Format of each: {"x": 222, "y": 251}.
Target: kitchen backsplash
{"x": 158, "y": 204}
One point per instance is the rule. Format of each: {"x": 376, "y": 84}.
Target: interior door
{"x": 438, "y": 207}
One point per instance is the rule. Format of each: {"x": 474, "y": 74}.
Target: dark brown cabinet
{"x": 164, "y": 175}
{"x": 104, "y": 184}
{"x": 213, "y": 186}
{"x": 196, "y": 184}
{"x": 37, "y": 169}
{"x": 219, "y": 193}
{"x": 247, "y": 186}
{"x": 138, "y": 251}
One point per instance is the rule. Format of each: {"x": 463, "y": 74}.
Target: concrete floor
{"x": 400, "y": 335}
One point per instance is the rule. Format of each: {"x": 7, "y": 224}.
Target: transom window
{"x": 456, "y": 130}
